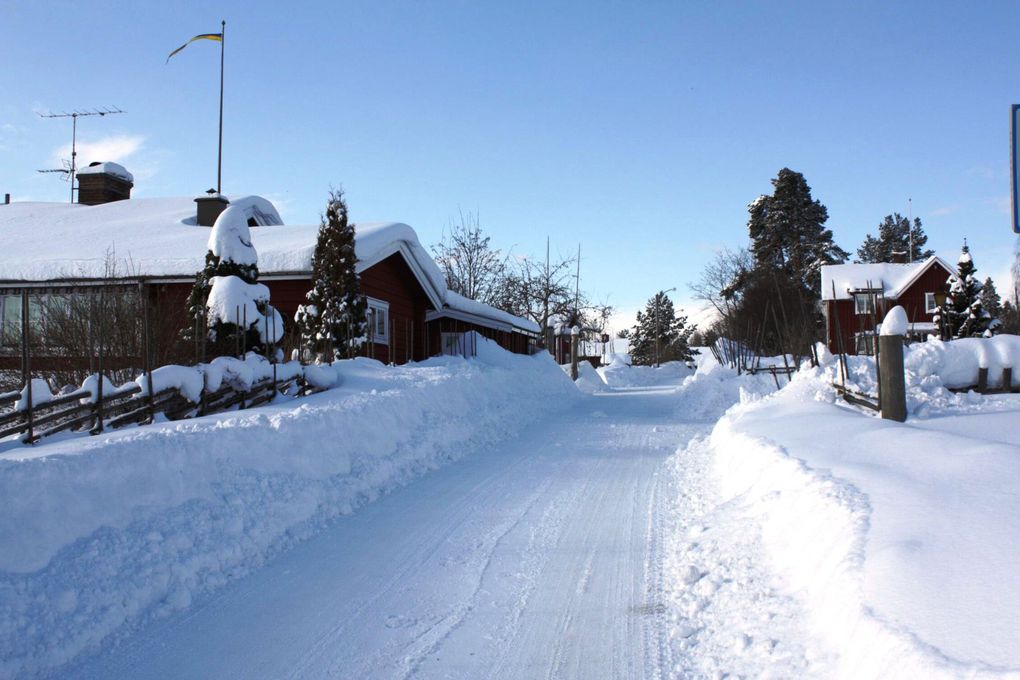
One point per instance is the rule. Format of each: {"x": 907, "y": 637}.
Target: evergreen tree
{"x": 788, "y": 232}
{"x": 990, "y": 299}
{"x": 227, "y": 303}
{"x": 962, "y": 314}
{"x": 894, "y": 238}
{"x": 333, "y": 323}
{"x": 660, "y": 321}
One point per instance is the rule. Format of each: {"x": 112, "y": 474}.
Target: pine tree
{"x": 788, "y": 232}
{"x": 660, "y": 321}
{"x": 990, "y": 299}
{"x": 333, "y": 323}
{"x": 894, "y": 238}
{"x": 962, "y": 314}
{"x": 227, "y": 303}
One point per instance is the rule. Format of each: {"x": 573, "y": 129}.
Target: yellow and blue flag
{"x": 218, "y": 37}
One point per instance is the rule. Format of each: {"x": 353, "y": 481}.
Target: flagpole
{"x": 219, "y": 160}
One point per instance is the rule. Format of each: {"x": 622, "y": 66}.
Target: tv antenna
{"x": 71, "y": 167}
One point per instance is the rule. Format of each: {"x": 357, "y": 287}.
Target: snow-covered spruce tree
{"x": 227, "y": 301}
{"x": 659, "y": 320}
{"x": 962, "y": 315}
{"x": 895, "y": 235}
{"x": 333, "y": 323}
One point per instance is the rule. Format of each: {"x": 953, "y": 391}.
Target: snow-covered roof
{"x": 159, "y": 237}
{"x": 108, "y": 168}
{"x": 891, "y": 278}
{"x": 472, "y": 308}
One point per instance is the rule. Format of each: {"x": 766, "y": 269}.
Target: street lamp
{"x": 658, "y": 301}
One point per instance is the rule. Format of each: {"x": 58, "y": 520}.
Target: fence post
{"x": 574, "y": 334}
{"x": 892, "y": 383}
{"x": 982, "y": 385}
{"x": 1007, "y": 379}
{"x": 26, "y": 363}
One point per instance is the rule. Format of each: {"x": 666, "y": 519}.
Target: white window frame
{"x": 378, "y": 310}
{"x": 868, "y": 306}
{"x": 864, "y": 343}
{"x": 931, "y": 305}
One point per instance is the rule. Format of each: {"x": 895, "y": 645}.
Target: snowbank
{"x": 620, "y": 374}
{"x": 588, "y": 379}
{"x": 901, "y": 539}
{"x": 101, "y": 534}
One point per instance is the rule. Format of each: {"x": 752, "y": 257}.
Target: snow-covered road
{"x": 536, "y": 559}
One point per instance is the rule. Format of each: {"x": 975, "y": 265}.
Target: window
{"x": 453, "y": 344}
{"x": 864, "y": 303}
{"x": 931, "y": 305}
{"x": 11, "y": 303}
{"x": 865, "y": 343}
{"x": 378, "y": 321}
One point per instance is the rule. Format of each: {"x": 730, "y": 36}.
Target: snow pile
{"x": 714, "y": 388}
{"x": 588, "y": 380}
{"x": 620, "y": 374}
{"x": 956, "y": 362}
{"x": 895, "y": 322}
{"x": 40, "y": 395}
{"x": 899, "y": 539}
{"x": 107, "y": 168}
{"x": 101, "y": 534}
{"x": 933, "y": 368}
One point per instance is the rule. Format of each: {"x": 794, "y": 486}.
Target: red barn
{"x": 157, "y": 244}
{"x": 857, "y": 296}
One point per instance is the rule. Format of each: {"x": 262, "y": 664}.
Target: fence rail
{"x": 80, "y": 410}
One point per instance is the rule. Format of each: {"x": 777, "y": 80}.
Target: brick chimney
{"x": 104, "y": 183}
{"x": 209, "y": 207}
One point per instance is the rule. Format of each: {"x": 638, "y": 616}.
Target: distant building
{"x": 856, "y": 297}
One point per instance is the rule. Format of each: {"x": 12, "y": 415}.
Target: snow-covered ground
{"x": 103, "y": 534}
{"x": 655, "y": 523}
{"x": 901, "y": 540}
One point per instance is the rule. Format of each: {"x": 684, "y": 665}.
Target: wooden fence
{"x": 82, "y": 410}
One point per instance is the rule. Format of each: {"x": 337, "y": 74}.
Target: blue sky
{"x": 639, "y": 130}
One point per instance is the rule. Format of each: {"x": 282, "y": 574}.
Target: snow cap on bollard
{"x": 895, "y": 322}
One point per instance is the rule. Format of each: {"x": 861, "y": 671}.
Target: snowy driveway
{"x": 533, "y": 559}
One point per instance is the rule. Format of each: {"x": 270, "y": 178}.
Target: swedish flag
{"x": 218, "y": 37}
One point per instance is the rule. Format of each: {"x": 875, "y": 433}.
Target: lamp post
{"x": 658, "y": 301}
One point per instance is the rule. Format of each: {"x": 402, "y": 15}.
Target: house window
{"x": 11, "y": 315}
{"x": 931, "y": 305}
{"x": 864, "y": 303}
{"x": 453, "y": 344}
{"x": 378, "y": 321}
{"x": 865, "y": 343}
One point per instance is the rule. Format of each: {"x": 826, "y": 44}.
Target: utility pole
{"x": 910, "y": 229}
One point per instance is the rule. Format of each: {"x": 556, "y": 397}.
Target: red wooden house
{"x": 159, "y": 245}
{"x": 856, "y": 297}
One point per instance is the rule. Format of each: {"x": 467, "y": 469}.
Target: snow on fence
{"x": 175, "y": 391}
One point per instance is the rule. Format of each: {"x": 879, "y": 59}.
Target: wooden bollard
{"x": 892, "y": 382}
{"x": 1007, "y": 379}
{"x": 982, "y": 385}
{"x": 573, "y": 353}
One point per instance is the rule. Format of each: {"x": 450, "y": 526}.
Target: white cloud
{"x": 116, "y": 148}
